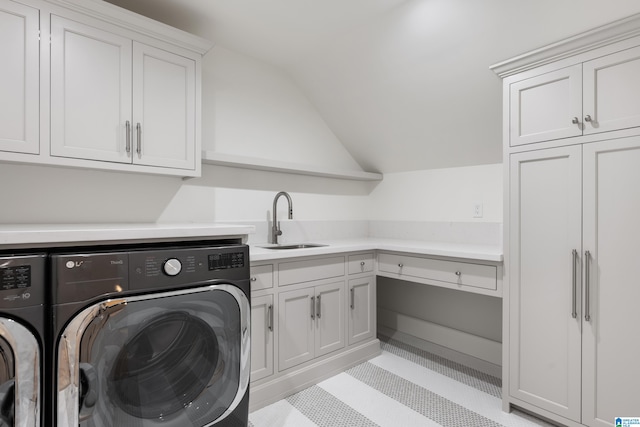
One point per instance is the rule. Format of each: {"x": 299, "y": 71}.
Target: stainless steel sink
{"x": 292, "y": 246}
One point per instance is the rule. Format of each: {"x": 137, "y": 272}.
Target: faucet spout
{"x": 275, "y": 226}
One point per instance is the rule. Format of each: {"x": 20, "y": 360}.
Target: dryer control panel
{"x": 22, "y": 280}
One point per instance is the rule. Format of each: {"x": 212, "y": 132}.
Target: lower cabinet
{"x": 310, "y": 323}
{"x": 261, "y": 337}
{"x": 362, "y": 301}
{"x": 310, "y": 317}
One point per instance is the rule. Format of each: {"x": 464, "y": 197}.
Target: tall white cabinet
{"x": 572, "y": 191}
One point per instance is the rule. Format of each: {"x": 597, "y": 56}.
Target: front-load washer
{"x": 22, "y": 331}
{"x": 151, "y": 337}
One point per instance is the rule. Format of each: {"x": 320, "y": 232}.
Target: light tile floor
{"x": 404, "y": 386}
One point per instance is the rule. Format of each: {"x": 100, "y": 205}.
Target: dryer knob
{"x": 172, "y": 267}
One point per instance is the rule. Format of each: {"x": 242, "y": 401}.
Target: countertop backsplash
{"x": 296, "y": 231}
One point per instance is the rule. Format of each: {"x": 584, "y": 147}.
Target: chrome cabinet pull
{"x": 139, "y": 139}
{"x": 575, "y": 121}
{"x": 270, "y": 317}
{"x": 253, "y": 279}
{"x": 587, "y": 118}
{"x": 362, "y": 265}
{"x": 574, "y": 285}
{"x": 458, "y": 273}
{"x": 400, "y": 265}
{"x": 587, "y": 279}
{"x": 313, "y": 308}
{"x": 318, "y": 312}
{"x": 352, "y": 303}
{"x": 127, "y": 128}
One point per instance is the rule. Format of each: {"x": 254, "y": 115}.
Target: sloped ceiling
{"x": 404, "y": 84}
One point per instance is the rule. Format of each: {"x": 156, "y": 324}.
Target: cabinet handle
{"x": 270, "y": 317}
{"x": 139, "y": 139}
{"x": 587, "y": 279}
{"x": 127, "y": 128}
{"x": 400, "y": 265}
{"x": 254, "y": 279}
{"x": 313, "y": 308}
{"x": 352, "y": 303}
{"x": 458, "y": 273}
{"x": 318, "y": 311}
{"x": 574, "y": 284}
{"x": 587, "y": 118}
{"x": 362, "y": 265}
{"x": 575, "y": 121}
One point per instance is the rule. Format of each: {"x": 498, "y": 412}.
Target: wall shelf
{"x": 230, "y": 160}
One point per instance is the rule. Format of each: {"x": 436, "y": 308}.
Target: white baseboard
{"x": 296, "y": 380}
{"x": 463, "y": 343}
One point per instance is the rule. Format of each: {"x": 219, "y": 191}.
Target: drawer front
{"x": 459, "y": 273}
{"x": 261, "y": 277}
{"x": 360, "y": 263}
{"x": 310, "y": 270}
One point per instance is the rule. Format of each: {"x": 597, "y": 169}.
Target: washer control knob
{"x": 172, "y": 267}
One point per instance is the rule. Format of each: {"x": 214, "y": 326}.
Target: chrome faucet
{"x": 275, "y": 227}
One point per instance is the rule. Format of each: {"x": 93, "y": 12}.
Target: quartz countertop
{"x": 456, "y": 250}
{"x": 41, "y": 235}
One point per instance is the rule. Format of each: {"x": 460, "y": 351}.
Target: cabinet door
{"x": 612, "y": 91}
{"x": 543, "y": 108}
{"x": 164, "y": 115}
{"x": 545, "y": 229}
{"x": 330, "y": 326}
{"x": 361, "y": 309}
{"x": 90, "y": 92}
{"x": 295, "y": 327}
{"x": 611, "y": 233}
{"x": 19, "y": 78}
{"x": 261, "y": 337}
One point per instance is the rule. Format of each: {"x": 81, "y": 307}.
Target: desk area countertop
{"x": 454, "y": 250}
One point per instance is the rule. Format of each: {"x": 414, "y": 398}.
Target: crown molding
{"x": 598, "y": 37}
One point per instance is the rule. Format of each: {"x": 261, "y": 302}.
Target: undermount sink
{"x": 293, "y": 246}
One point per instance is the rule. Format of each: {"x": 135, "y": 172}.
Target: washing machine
{"x": 22, "y": 329}
{"x": 153, "y": 336}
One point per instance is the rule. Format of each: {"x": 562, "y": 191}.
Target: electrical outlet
{"x": 477, "y": 210}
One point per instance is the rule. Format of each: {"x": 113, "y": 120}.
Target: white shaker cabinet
{"x": 114, "y": 99}
{"x": 573, "y": 280}
{"x": 611, "y": 324}
{"x": 261, "y": 337}
{"x": 572, "y": 198}
{"x": 311, "y": 323}
{"x": 595, "y": 96}
{"x": 19, "y": 78}
{"x": 545, "y": 221}
{"x": 362, "y": 297}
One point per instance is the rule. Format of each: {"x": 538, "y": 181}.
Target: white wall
{"x": 446, "y": 195}
{"x": 251, "y": 108}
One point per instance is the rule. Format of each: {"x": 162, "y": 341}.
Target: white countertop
{"x": 456, "y": 250}
{"x": 39, "y": 235}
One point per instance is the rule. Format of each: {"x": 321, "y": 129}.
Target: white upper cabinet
{"x": 164, "y": 108}
{"x": 599, "y": 95}
{"x": 90, "y": 92}
{"x": 118, "y": 100}
{"x": 87, "y": 84}
{"x": 612, "y": 92}
{"x": 19, "y": 78}
{"x": 545, "y": 107}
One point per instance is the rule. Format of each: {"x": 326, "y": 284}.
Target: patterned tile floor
{"x": 404, "y": 386}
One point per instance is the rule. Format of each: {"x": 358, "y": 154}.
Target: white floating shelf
{"x": 230, "y": 160}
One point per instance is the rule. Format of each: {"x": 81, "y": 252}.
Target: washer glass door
{"x": 175, "y": 358}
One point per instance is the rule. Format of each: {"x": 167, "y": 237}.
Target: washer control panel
{"x": 22, "y": 280}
